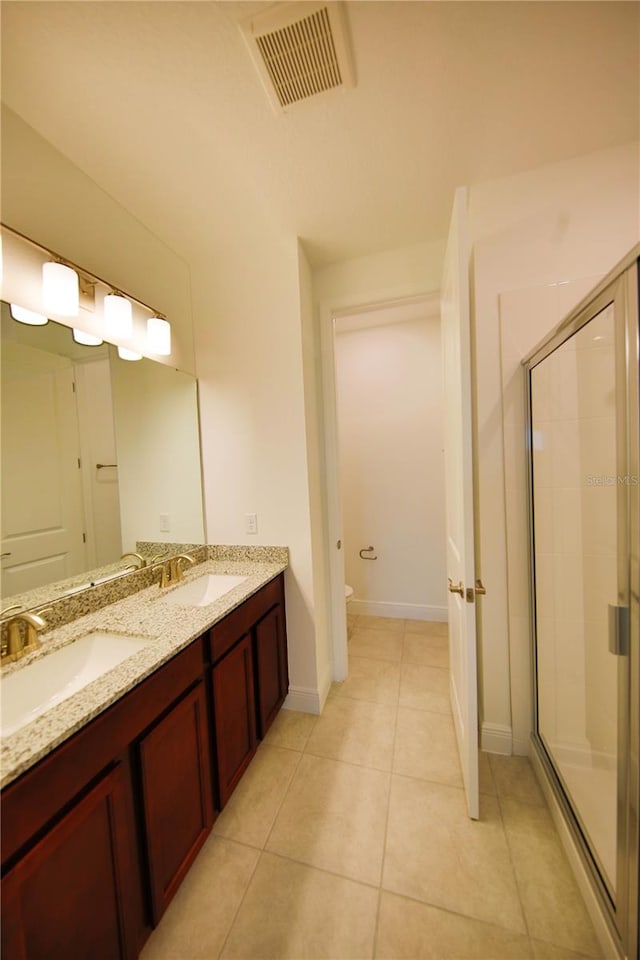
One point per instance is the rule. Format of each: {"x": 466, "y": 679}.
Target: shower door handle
{"x": 618, "y": 630}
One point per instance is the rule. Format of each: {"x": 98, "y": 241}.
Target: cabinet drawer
{"x": 224, "y": 634}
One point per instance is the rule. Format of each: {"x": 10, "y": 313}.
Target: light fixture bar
{"x": 83, "y": 274}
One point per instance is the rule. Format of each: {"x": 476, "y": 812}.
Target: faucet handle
{"x": 177, "y": 572}
{"x": 14, "y": 606}
{"x": 165, "y": 578}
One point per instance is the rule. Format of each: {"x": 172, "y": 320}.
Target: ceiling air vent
{"x": 300, "y": 50}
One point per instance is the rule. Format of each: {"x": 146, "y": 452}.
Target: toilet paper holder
{"x": 367, "y": 550}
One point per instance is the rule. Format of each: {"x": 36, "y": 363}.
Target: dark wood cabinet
{"x": 272, "y": 673}
{"x": 175, "y": 776}
{"x": 98, "y": 835}
{"x": 71, "y": 895}
{"x": 234, "y": 715}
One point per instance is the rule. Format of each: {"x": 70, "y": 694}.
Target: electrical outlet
{"x": 252, "y": 522}
{"x": 165, "y": 526}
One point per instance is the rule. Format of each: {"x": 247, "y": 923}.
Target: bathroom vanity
{"x": 99, "y": 831}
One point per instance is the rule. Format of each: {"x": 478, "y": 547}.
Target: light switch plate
{"x": 252, "y": 522}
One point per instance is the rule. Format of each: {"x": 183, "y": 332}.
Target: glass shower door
{"x": 574, "y": 412}
{"x": 584, "y": 439}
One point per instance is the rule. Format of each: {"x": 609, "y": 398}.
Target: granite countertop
{"x": 148, "y": 614}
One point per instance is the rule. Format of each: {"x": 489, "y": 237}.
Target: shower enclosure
{"x": 583, "y": 432}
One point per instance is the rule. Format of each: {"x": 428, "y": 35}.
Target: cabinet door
{"x": 271, "y": 666}
{"x": 234, "y": 710}
{"x": 68, "y": 897}
{"x": 176, "y": 787}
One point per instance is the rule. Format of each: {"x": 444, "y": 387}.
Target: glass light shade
{"x": 159, "y": 336}
{"x": 125, "y": 354}
{"x": 87, "y": 339}
{"x": 28, "y": 316}
{"x": 60, "y": 290}
{"x": 118, "y": 316}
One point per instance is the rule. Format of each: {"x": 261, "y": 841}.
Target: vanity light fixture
{"x": 60, "y": 289}
{"x": 118, "y": 316}
{"x": 125, "y": 354}
{"x": 87, "y": 339}
{"x": 27, "y": 316}
{"x": 159, "y": 336}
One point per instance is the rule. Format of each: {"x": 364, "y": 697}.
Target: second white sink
{"x": 36, "y": 688}
{"x": 204, "y": 590}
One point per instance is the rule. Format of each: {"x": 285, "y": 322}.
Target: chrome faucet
{"x": 19, "y": 642}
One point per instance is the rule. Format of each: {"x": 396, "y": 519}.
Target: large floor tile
{"x": 487, "y": 784}
{"x": 355, "y": 731}
{"x": 201, "y": 913}
{"x": 290, "y": 729}
{"x": 431, "y": 628}
{"x": 552, "y": 903}
{"x": 424, "y": 688}
{"x": 415, "y": 931}
{"x": 389, "y": 624}
{"x": 514, "y": 778}
{"x": 426, "y": 747}
{"x": 294, "y": 912}
{"x": 376, "y": 644}
{"x": 549, "y": 951}
{"x": 333, "y": 817}
{"x": 424, "y": 648}
{"x": 374, "y": 680}
{"x": 436, "y": 854}
{"x": 251, "y": 811}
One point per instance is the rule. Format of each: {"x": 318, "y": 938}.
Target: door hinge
{"x": 79, "y": 463}
{"x": 73, "y": 385}
{"x": 84, "y": 538}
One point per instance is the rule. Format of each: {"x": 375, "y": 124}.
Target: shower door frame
{"x": 619, "y": 287}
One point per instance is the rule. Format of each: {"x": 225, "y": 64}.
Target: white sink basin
{"x": 35, "y": 689}
{"x": 204, "y": 590}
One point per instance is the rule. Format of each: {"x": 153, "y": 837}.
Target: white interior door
{"x": 42, "y": 516}
{"x": 459, "y": 498}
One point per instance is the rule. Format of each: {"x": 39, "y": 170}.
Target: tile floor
{"x": 348, "y": 837}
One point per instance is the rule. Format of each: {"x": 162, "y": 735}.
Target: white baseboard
{"x": 598, "y": 919}
{"x": 496, "y": 738}
{"x": 304, "y": 699}
{"x": 398, "y": 611}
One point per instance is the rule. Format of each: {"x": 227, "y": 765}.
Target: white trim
{"x": 304, "y": 699}
{"x": 496, "y": 738}
{"x": 328, "y": 309}
{"x": 603, "y": 933}
{"x": 402, "y": 611}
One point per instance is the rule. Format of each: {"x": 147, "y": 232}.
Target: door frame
{"x": 329, "y": 311}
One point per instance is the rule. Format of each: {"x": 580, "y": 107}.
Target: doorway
{"x": 390, "y": 423}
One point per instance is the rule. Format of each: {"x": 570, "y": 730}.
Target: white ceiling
{"x": 160, "y": 104}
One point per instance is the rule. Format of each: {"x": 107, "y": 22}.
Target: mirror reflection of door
{"x": 42, "y": 509}
{"x": 99, "y": 462}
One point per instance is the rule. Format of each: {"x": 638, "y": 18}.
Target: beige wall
{"x": 390, "y": 416}
{"x": 250, "y": 365}
{"x": 50, "y": 200}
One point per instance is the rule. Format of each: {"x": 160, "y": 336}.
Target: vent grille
{"x": 301, "y": 59}
{"x": 300, "y": 50}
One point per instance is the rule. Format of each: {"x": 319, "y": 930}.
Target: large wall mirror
{"x": 97, "y": 453}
